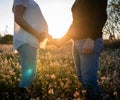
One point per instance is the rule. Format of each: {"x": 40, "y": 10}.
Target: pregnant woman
{"x": 30, "y": 30}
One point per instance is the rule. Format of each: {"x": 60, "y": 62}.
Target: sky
{"x": 56, "y": 12}
{"x": 6, "y": 16}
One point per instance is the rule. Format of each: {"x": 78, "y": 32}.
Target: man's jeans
{"x": 87, "y": 64}
{"x": 28, "y": 57}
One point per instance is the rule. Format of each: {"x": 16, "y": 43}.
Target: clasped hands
{"x": 87, "y": 48}
{"x": 57, "y": 42}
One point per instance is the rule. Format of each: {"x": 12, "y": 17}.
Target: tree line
{"x": 7, "y": 39}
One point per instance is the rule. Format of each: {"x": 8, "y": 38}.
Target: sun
{"x": 58, "y": 16}
{"x": 59, "y": 25}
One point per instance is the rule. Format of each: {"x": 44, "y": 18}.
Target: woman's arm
{"x": 18, "y": 15}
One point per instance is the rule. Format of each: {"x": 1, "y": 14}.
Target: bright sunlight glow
{"x": 56, "y": 12}
{"x": 58, "y": 15}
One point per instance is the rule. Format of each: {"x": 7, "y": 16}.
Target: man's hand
{"x": 88, "y": 46}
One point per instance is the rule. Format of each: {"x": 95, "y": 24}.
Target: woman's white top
{"x": 35, "y": 18}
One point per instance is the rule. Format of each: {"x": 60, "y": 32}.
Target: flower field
{"x": 56, "y": 75}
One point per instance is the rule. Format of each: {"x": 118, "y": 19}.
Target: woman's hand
{"x": 42, "y": 35}
{"x": 88, "y": 46}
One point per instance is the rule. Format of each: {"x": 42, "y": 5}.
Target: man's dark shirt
{"x": 89, "y": 17}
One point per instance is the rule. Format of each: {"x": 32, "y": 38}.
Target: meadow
{"x": 56, "y": 75}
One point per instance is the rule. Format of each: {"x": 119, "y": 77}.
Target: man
{"x": 89, "y": 17}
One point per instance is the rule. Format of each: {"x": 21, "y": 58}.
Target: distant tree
{"x": 112, "y": 27}
{"x": 7, "y": 39}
